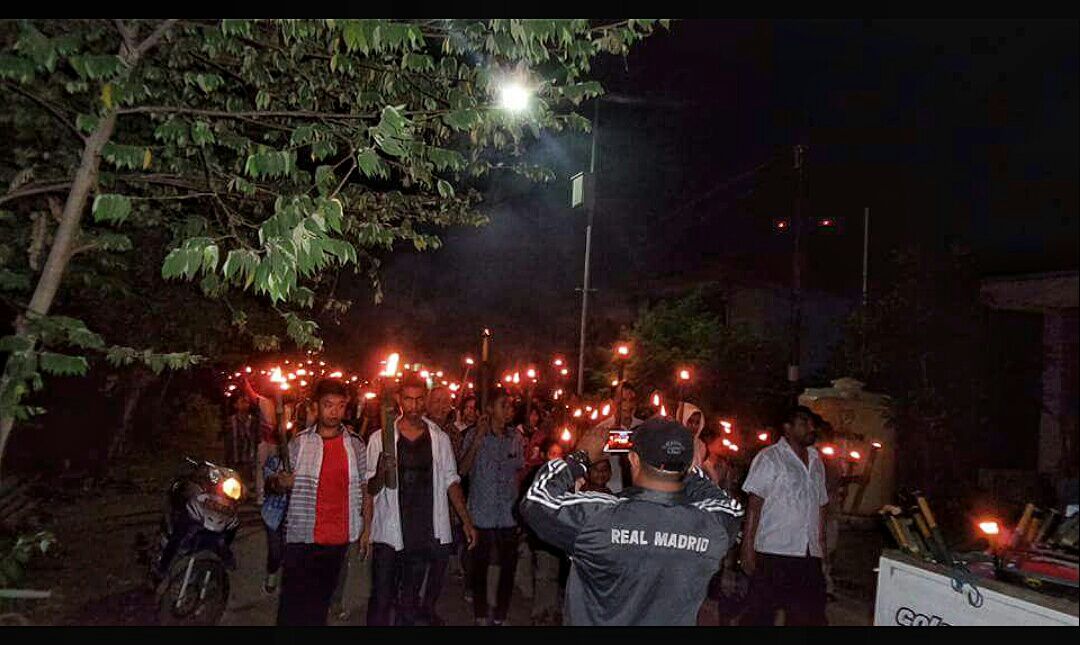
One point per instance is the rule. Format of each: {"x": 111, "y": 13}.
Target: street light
{"x": 514, "y": 97}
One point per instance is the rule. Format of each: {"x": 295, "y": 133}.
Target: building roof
{"x": 1034, "y": 292}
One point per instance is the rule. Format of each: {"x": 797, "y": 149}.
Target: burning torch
{"x": 389, "y": 447}
{"x": 682, "y": 380}
{"x": 485, "y": 357}
{"x": 281, "y": 385}
{"x": 622, "y": 353}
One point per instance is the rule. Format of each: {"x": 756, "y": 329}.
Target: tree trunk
{"x": 135, "y": 390}
{"x": 68, "y": 230}
{"x": 60, "y": 251}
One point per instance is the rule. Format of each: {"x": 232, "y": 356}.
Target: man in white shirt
{"x": 784, "y": 534}
{"x": 623, "y": 418}
{"x": 405, "y": 528}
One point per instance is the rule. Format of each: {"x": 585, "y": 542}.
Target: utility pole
{"x": 865, "y": 289}
{"x": 797, "y": 263}
{"x": 589, "y": 195}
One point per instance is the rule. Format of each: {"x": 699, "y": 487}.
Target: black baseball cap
{"x": 665, "y": 444}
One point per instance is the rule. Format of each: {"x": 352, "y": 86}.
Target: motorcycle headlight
{"x": 232, "y": 488}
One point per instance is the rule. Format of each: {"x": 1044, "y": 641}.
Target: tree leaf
{"x": 445, "y": 189}
{"x": 63, "y": 365}
{"x": 371, "y": 164}
{"x": 111, "y": 208}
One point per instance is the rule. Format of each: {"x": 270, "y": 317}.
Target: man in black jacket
{"x": 645, "y": 556}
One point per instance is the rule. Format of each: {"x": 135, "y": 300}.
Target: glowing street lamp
{"x": 514, "y": 97}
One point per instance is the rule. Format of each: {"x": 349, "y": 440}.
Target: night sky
{"x": 952, "y": 132}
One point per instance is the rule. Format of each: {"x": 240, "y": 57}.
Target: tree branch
{"x": 52, "y": 109}
{"x": 154, "y": 37}
{"x": 297, "y": 114}
{"x": 83, "y": 248}
{"x": 127, "y": 35}
{"x": 31, "y": 190}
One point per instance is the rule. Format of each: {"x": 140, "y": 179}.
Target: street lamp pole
{"x": 590, "y": 208}
{"x": 797, "y": 261}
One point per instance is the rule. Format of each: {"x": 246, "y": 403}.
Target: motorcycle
{"x": 189, "y": 562}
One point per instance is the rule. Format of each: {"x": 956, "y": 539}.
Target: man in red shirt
{"x": 325, "y": 508}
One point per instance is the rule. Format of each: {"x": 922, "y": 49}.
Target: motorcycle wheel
{"x": 207, "y": 569}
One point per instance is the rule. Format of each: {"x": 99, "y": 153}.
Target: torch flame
{"x": 854, "y": 454}
{"x": 684, "y": 375}
{"x": 606, "y": 410}
{"x": 656, "y": 400}
{"x": 275, "y": 376}
{"x": 989, "y": 527}
{"x": 391, "y": 364}
{"x": 566, "y": 436}
{"x": 369, "y": 395}
{"x": 764, "y": 436}
{"x": 828, "y": 451}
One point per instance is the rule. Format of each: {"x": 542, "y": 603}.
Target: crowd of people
{"x": 464, "y": 489}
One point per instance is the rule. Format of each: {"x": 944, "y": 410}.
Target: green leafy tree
{"x": 735, "y": 370}
{"x": 273, "y": 152}
{"x": 922, "y": 342}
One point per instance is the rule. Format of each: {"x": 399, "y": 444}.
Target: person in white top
{"x": 624, "y": 418}
{"x": 784, "y": 531}
{"x": 406, "y": 527}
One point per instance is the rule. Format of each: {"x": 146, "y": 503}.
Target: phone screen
{"x": 619, "y": 441}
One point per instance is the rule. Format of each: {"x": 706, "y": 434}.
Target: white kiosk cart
{"x": 914, "y": 593}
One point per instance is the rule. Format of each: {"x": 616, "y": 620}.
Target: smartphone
{"x": 619, "y": 441}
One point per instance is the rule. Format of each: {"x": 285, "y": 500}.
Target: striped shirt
{"x": 305, "y": 453}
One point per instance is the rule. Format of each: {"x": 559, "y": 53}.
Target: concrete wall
{"x": 1058, "y": 425}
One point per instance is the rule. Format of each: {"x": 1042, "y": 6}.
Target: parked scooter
{"x": 190, "y": 560}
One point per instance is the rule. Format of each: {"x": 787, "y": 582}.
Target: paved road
{"x": 249, "y": 605}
